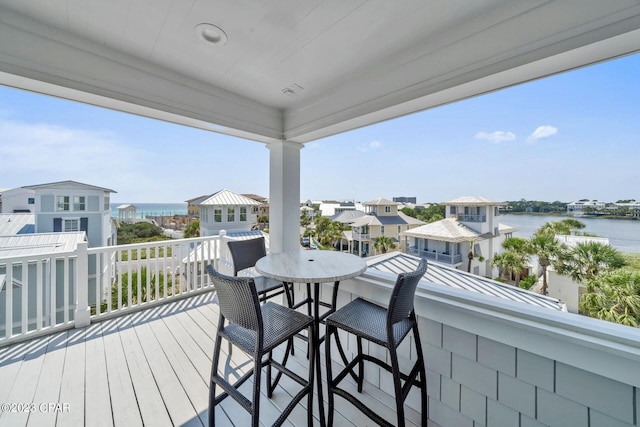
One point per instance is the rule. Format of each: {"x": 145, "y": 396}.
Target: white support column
{"x": 284, "y": 196}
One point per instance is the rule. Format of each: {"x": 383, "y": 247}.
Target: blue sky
{"x": 566, "y": 137}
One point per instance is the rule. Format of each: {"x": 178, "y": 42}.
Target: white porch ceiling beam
{"x": 42, "y": 59}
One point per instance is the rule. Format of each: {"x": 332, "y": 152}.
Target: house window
{"x": 231, "y": 214}
{"x": 204, "y": 214}
{"x": 217, "y": 214}
{"x": 106, "y": 203}
{"x": 243, "y": 213}
{"x": 31, "y": 201}
{"x": 79, "y": 203}
{"x": 71, "y": 224}
{"x": 63, "y": 203}
{"x": 399, "y": 229}
{"x": 387, "y": 209}
{"x": 382, "y": 230}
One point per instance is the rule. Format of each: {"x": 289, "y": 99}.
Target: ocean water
{"x": 152, "y": 209}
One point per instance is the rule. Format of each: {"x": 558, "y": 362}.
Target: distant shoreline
{"x": 565, "y": 215}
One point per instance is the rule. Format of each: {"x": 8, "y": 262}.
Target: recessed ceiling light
{"x": 211, "y": 34}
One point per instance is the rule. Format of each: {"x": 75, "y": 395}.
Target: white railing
{"x": 44, "y": 293}
{"x": 37, "y": 293}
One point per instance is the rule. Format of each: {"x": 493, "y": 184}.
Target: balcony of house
{"x": 471, "y": 218}
{"x": 145, "y": 360}
{"x": 434, "y": 250}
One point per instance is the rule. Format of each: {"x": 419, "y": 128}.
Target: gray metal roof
{"x": 447, "y": 230}
{"x": 69, "y": 184}
{"x": 397, "y": 262}
{"x": 17, "y": 223}
{"x": 40, "y": 243}
{"x": 228, "y": 198}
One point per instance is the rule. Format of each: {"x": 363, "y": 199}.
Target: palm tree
{"x": 471, "y": 255}
{"x": 613, "y": 296}
{"x": 566, "y": 226}
{"x": 192, "y": 230}
{"x": 548, "y": 249}
{"x": 586, "y": 260}
{"x": 383, "y": 244}
{"x": 513, "y": 260}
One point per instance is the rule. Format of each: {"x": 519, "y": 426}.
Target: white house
{"x": 73, "y": 206}
{"x": 226, "y": 210}
{"x": 127, "y": 213}
{"x": 577, "y": 208}
{"x": 18, "y": 200}
{"x": 471, "y": 224}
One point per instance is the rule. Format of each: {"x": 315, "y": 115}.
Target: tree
{"x": 613, "y": 296}
{"x": 564, "y": 227}
{"x": 586, "y": 260}
{"x": 548, "y": 249}
{"x": 383, "y": 244}
{"x": 514, "y": 259}
{"x": 192, "y": 230}
{"x": 471, "y": 255}
{"x": 304, "y": 219}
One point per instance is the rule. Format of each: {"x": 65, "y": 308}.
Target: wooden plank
{"x": 72, "y": 390}
{"x": 174, "y": 396}
{"x": 124, "y": 405}
{"x": 25, "y": 383}
{"x": 193, "y": 384}
{"x": 150, "y": 403}
{"x": 48, "y": 388}
{"x": 97, "y": 397}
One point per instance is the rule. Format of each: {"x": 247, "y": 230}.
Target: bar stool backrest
{"x": 238, "y": 300}
{"x": 401, "y": 301}
{"x": 245, "y": 253}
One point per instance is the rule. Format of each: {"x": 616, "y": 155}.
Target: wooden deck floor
{"x": 149, "y": 368}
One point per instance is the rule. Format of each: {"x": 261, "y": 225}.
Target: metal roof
{"x": 228, "y": 198}
{"x": 68, "y": 183}
{"x": 381, "y": 202}
{"x": 397, "y": 262}
{"x": 40, "y": 243}
{"x": 472, "y": 201}
{"x": 17, "y": 223}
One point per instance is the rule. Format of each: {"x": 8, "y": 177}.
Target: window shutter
{"x": 84, "y": 224}
{"x": 57, "y": 225}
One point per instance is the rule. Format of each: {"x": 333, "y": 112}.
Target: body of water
{"x": 153, "y": 209}
{"x": 623, "y": 235}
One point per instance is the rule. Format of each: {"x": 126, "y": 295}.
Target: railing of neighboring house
{"x": 472, "y": 218}
{"x": 435, "y": 256}
{"x": 49, "y": 292}
{"x": 360, "y": 236}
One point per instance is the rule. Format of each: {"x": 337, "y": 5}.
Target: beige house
{"x": 193, "y": 205}
{"x": 382, "y": 219}
{"x": 471, "y": 224}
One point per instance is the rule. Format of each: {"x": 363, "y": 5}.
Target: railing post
{"x": 83, "y": 313}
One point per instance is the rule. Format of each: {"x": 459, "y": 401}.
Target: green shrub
{"x": 527, "y": 282}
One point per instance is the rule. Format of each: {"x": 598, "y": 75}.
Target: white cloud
{"x": 373, "y": 145}
{"x": 496, "y": 137}
{"x": 37, "y": 153}
{"x": 543, "y": 132}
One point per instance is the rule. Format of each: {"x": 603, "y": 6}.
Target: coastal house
{"x": 226, "y": 210}
{"x": 193, "y": 205}
{"x": 381, "y": 219}
{"x": 471, "y": 226}
{"x": 578, "y": 208}
{"x": 66, "y": 206}
{"x": 490, "y": 361}
{"x": 17, "y": 200}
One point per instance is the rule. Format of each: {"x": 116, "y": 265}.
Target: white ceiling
{"x": 352, "y": 63}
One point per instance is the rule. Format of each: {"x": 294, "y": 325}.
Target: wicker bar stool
{"x": 385, "y": 327}
{"x": 244, "y": 254}
{"x": 257, "y": 330}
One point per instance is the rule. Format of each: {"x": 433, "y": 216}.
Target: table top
{"x": 311, "y": 266}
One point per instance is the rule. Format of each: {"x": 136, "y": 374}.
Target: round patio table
{"x": 317, "y": 267}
